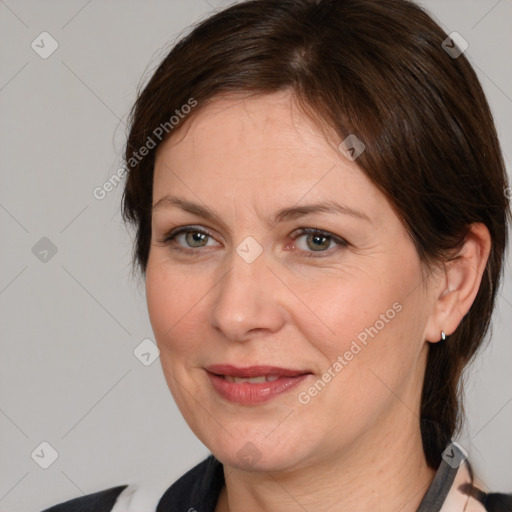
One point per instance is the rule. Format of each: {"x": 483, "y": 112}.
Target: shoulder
{"x": 497, "y": 502}
{"x": 464, "y": 492}
{"x": 478, "y": 500}
{"x": 200, "y": 485}
{"x": 198, "y": 489}
{"x": 102, "y": 501}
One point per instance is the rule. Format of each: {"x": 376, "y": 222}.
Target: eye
{"x": 188, "y": 238}
{"x": 317, "y": 241}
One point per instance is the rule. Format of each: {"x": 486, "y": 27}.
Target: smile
{"x": 255, "y": 384}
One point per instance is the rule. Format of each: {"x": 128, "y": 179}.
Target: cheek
{"x": 173, "y": 301}
{"x": 336, "y": 309}
{"x": 367, "y": 317}
{"x": 370, "y": 340}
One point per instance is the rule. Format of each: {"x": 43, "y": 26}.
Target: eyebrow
{"x": 290, "y": 213}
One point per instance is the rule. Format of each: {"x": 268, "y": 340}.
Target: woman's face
{"x": 344, "y": 309}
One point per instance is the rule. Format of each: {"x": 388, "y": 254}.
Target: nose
{"x": 248, "y": 300}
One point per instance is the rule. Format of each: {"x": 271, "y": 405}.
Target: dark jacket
{"x": 198, "y": 490}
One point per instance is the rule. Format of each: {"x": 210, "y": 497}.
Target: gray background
{"x": 70, "y": 324}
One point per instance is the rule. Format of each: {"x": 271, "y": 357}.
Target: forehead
{"x": 260, "y": 150}
{"x": 235, "y": 133}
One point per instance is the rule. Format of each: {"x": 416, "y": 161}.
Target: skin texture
{"x": 356, "y": 445}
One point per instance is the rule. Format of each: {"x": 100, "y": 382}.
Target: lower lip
{"x": 247, "y": 393}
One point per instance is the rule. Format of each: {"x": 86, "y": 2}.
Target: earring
{"x": 443, "y": 336}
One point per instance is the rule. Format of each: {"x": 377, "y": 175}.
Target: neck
{"x": 386, "y": 471}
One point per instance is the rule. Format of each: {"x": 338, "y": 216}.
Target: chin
{"x": 258, "y": 453}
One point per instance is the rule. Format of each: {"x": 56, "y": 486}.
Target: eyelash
{"x": 170, "y": 237}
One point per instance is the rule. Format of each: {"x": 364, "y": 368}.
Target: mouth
{"x": 253, "y": 384}
{"x": 251, "y": 380}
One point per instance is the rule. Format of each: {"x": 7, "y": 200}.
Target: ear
{"x": 459, "y": 283}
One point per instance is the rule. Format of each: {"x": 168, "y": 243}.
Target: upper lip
{"x": 253, "y": 371}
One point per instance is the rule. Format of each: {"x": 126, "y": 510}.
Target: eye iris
{"x": 195, "y": 236}
{"x": 324, "y": 242}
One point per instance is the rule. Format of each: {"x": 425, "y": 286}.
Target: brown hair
{"x": 377, "y": 69}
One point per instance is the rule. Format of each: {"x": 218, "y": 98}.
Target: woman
{"x": 321, "y": 211}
